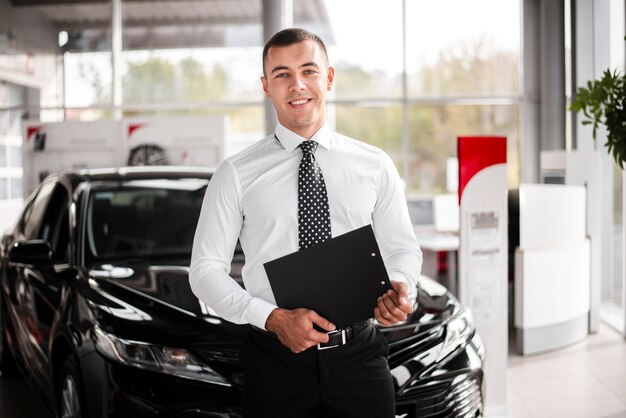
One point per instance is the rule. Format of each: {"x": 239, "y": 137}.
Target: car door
{"x": 39, "y": 286}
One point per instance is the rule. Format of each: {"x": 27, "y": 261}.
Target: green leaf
{"x": 603, "y": 102}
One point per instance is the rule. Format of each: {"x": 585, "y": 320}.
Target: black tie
{"x": 313, "y": 210}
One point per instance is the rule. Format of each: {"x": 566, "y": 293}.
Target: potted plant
{"x": 603, "y": 101}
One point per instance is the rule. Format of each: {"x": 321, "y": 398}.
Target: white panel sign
{"x": 53, "y": 147}
{"x": 551, "y": 214}
{"x": 197, "y": 141}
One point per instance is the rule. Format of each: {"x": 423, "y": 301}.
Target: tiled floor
{"x": 585, "y": 380}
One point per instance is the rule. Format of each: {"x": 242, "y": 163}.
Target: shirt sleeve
{"x": 394, "y": 230}
{"x": 218, "y": 229}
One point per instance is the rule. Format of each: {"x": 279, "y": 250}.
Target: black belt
{"x": 341, "y": 336}
{"x": 336, "y": 338}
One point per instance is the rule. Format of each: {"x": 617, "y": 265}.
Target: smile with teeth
{"x": 299, "y": 102}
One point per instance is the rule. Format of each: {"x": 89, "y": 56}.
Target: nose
{"x": 298, "y": 84}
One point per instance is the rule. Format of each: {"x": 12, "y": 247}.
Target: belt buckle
{"x": 343, "y": 340}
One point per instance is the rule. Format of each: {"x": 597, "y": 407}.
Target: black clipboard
{"x": 340, "y": 279}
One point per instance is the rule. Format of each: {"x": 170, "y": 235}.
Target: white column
{"x": 530, "y": 114}
{"x": 277, "y": 15}
{"x": 116, "y": 56}
{"x": 552, "y": 74}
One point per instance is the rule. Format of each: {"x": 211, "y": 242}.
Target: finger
{"x": 303, "y": 331}
{"x": 381, "y": 320}
{"x": 402, "y": 303}
{"x": 393, "y": 308}
{"x": 385, "y": 312}
{"x": 401, "y": 290}
{"x": 314, "y": 336}
{"x": 321, "y": 322}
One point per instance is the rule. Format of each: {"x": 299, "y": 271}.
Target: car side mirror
{"x": 31, "y": 252}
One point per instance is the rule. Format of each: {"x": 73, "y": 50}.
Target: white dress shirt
{"x": 253, "y": 196}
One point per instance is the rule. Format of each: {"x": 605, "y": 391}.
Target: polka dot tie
{"x": 313, "y": 209}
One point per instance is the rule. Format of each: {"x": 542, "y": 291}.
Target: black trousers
{"x": 348, "y": 381}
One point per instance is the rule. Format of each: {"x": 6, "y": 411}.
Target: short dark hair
{"x": 292, "y": 36}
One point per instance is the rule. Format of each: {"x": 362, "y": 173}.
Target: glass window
{"x": 455, "y": 51}
{"x": 367, "y": 56}
{"x": 16, "y": 188}
{"x": 613, "y": 303}
{"x": 123, "y": 221}
{"x": 613, "y": 284}
{"x": 15, "y": 122}
{"x": 379, "y": 126}
{"x": 433, "y": 141}
{"x": 55, "y": 224}
{"x": 192, "y": 76}
{"x": 15, "y": 156}
{"x": 4, "y": 92}
{"x": 88, "y": 78}
{"x": 3, "y": 188}
{"x": 16, "y": 95}
{"x": 32, "y": 220}
{"x": 457, "y": 48}
{"x": 4, "y": 121}
{"x": 3, "y": 155}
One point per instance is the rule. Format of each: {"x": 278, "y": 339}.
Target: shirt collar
{"x": 291, "y": 140}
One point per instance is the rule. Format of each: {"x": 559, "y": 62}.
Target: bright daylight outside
{"x": 461, "y": 79}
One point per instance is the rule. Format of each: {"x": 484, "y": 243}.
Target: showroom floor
{"x": 586, "y": 380}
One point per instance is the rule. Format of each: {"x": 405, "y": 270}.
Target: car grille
{"x": 455, "y": 398}
{"x": 405, "y": 342}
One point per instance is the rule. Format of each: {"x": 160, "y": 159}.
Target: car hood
{"x": 160, "y": 296}
{"x": 167, "y": 285}
{"x": 154, "y": 302}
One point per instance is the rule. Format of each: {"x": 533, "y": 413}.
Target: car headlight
{"x": 458, "y": 332}
{"x": 175, "y": 361}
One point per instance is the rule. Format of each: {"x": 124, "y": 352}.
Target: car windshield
{"x": 143, "y": 218}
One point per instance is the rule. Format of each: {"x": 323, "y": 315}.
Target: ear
{"x": 329, "y": 78}
{"x": 265, "y": 86}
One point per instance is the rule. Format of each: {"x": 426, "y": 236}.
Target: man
{"x": 273, "y": 197}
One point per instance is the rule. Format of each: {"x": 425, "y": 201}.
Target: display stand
{"x": 552, "y": 268}
{"x": 483, "y": 255}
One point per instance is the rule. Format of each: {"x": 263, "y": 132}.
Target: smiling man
{"x": 294, "y": 189}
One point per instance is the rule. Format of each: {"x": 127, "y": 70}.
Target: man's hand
{"x": 294, "y": 328}
{"x": 394, "y": 306}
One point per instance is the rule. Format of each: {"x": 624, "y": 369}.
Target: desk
{"x": 434, "y": 243}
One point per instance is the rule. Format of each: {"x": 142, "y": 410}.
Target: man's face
{"x": 296, "y": 79}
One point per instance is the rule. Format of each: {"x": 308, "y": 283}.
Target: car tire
{"x": 147, "y": 154}
{"x": 70, "y": 391}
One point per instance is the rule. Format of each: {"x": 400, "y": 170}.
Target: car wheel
{"x": 70, "y": 391}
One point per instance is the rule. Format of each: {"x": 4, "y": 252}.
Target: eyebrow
{"x": 306, "y": 64}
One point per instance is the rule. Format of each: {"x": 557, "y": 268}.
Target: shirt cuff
{"x": 411, "y": 289}
{"x": 258, "y": 312}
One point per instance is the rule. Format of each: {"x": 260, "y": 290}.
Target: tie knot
{"x": 308, "y": 147}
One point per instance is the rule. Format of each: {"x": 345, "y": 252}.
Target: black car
{"x": 97, "y": 313}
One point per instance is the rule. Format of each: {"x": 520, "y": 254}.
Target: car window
{"x": 47, "y": 218}
{"x": 55, "y": 223}
{"x": 144, "y": 218}
{"x": 35, "y": 212}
